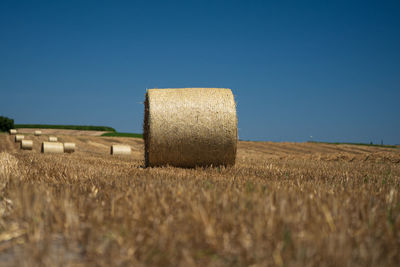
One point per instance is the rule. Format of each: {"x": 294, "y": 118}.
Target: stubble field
{"x": 282, "y": 204}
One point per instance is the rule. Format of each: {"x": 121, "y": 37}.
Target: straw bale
{"x": 69, "y": 147}
{"x": 53, "y": 139}
{"x": 52, "y": 147}
{"x": 38, "y": 133}
{"x": 13, "y": 131}
{"x": 26, "y": 144}
{"x": 120, "y": 150}
{"x": 190, "y": 127}
{"x": 19, "y": 137}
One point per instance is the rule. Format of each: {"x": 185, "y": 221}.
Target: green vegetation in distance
{"x": 135, "y": 135}
{"x": 357, "y": 144}
{"x": 6, "y": 124}
{"x": 67, "y": 127}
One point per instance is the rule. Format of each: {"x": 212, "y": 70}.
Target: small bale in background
{"x": 13, "y": 131}
{"x": 53, "y": 139}
{"x": 18, "y": 138}
{"x": 69, "y": 147}
{"x": 38, "y": 133}
{"x": 26, "y": 144}
{"x": 120, "y": 150}
{"x": 52, "y": 147}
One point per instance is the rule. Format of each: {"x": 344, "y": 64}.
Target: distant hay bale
{"x": 120, "y": 150}
{"x": 52, "y": 147}
{"x": 38, "y": 133}
{"x": 18, "y": 138}
{"x": 53, "y": 139}
{"x": 26, "y": 144}
{"x": 13, "y": 131}
{"x": 69, "y": 147}
{"x": 190, "y": 127}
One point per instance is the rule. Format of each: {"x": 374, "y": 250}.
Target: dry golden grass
{"x": 282, "y": 204}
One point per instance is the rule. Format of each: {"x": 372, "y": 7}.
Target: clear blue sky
{"x": 327, "y": 69}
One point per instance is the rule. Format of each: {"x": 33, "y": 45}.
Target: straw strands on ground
{"x": 26, "y": 144}
{"x": 13, "y": 131}
{"x": 53, "y": 139}
{"x": 19, "y": 137}
{"x": 69, "y": 147}
{"x": 190, "y": 127}
{"x": 282, "y": 204}
{"x": 120, "y": 150}
{"x": 52, "y": 147}
{"x": 38, "y": 133}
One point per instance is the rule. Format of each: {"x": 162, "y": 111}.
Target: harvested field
{"x": 284, "y": 204}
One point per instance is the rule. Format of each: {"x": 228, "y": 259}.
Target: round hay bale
{"x": 69, "y": 147}
{"x": 190, "y": 127}
{"x": 52, "y": 147}
{"x": 26, "y": 144}
{"x": 18, "y": 138}
{"x": 38, "y": 133}
{"x": 13, "y": 131}
{"x": 53, "y": 139}
{"x": 120, "y": 150}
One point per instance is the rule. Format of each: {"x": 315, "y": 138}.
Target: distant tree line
{"x": 6, "y": 124}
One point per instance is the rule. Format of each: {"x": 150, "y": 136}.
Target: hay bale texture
{"x": 69, "y": 147}
{"x": 19, "y": 138}
{"x": 13, "y": 131}
{"x": 120, "y": 150}
{"x": 190, "y": 127}
{"x": 37, "y": 133}
{"x": 26, "y": 144}
{"x": 52, "y": 147}
{"x": 53, "y": 139}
